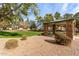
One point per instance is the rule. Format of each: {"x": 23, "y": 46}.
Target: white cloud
{"x": 64, "y": 7}
{"x": 0, "y": 6}
{"x": 76, "y": 9}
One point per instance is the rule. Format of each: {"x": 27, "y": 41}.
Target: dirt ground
{"x": 38, "y": 46}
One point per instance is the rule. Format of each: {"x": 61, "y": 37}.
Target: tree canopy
{"x": 48, "y": 18}
{"x": 67, "y": 16}
{"x": 57, "y": 15}
{"x": 13, "y": 11}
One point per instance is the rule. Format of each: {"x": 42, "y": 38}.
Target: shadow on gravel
{"x": 54, "y": 42}
{"x": 51, "y": 41}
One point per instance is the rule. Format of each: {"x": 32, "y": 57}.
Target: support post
{"x": 46, "y": 28}
{"x": 70, "y": 29}
{"x": 54, "y": 28}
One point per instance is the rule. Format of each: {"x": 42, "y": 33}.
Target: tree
{"x": 23, "y": 24}
{"x": 12, "y": 12}
{"x": 68, "y": 16}
{"x": 48, "y": 18}
{"x": 39, "y": 18}
{"x": 3, "y": 25}
{"x": 39, "y": 22}
{"x": 57, "y": 15}
{"x": 32, "y": 25}
{"x": 76, "y": 17}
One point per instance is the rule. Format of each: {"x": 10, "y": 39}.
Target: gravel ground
{"x": 38, "y": 46}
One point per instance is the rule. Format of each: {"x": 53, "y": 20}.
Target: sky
{"x": 56, "y": 7}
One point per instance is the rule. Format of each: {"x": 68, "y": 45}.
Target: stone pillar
{"x": 70, "y": 29}
{"x": 54, "y": 28}
{"x": 46, "y": 28}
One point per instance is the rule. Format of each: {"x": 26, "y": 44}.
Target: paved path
{"x": 38, "y": 46}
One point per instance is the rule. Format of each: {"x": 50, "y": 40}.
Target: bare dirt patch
{"x": 36, "y": 45}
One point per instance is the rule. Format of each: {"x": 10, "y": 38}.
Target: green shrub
{"x": 24, "y": 37}
{"x": 12, "y": 43}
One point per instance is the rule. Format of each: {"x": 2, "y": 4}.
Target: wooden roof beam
{"x": 63, "y": 20}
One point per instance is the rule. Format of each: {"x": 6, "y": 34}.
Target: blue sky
{"x": 56, "y": 7}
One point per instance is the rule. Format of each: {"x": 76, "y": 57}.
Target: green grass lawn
{"x": 4, "y": 34}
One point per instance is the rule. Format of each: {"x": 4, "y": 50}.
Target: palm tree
{"x": 48, "y": 18}
{"x": 57, "y": 15}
